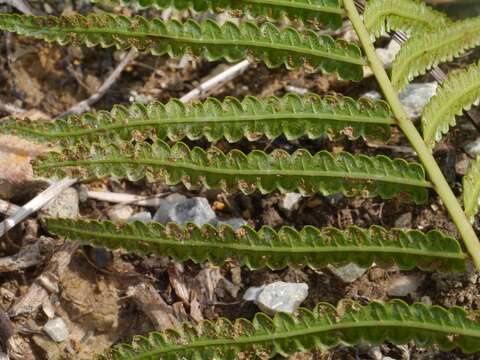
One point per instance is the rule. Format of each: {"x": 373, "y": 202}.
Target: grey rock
{"x": 375, "y": 353}
{"x": 251, "y": 294}
{"x": 278, "y": 296}
{"x": 413, "y": 98}
{"x": 120, "y": 213}
{"x": 56, "y": 329}
{"x": 64, "y": 205}
{"x": 404, "y": 221}
{"x": 235, "y": 223}
{"x": 179, "y": 209}
{"x": 347, "y": 273}
{"x": 473, "y": 148}
{"x": 290, "y": 201}
{"x": 143, "y": 216}
{"x": 416, "y": 96}
{"x": 404, "y": 285}
{"x": 387, "y": 55}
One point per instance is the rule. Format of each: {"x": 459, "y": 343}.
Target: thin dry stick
{"x": 35, "y": 204}
{"x": 7, "y": 208}
{"x": 20, "y": 5}
{"x": 121, "y": 198}
{"x": 85, "y": 105}
{"x": 226, "y": 75}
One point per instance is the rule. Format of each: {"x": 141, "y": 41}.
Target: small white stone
{"x": 404, "y": 285}
{"x": 252, "y": 293}
{"x": 290, "y": 201}
{"x": 413, "y": 98}
{"x": 56, "y": 329}
{"x": 120, "y": 213}
{"x": 143, "y": 216}
{"x": 64, "y": 205}
{"x": 278, "y": 296}
{"x": 387, "y": 55}
{"x": 473, "y": 148}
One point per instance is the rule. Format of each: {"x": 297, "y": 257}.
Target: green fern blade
{"x": 328, "y": 12}
{"x": 459, "y": 92}
{"x": 292, "y": 116}
{"x": 268, "y": 248}
{"x": 323, "y": 172}
{"x": 425, "y": 51}
{"x": 324, "y": 327}
{"x": 471, "y": 189}
{"x": 384, "y": 16}
{"x": 209, "y": 40}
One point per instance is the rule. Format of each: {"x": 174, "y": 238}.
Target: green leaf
{"x": 328, "y": 12}
{"x": 425, "y": 51}
{"x": 267, "y": 248}
{"x": 413, "y": 17}
{"x": 292, "y": 116}
{"x": 459, "y": 92}
{"x": 324, "y": 327}
{"x": 208, "y": 39}
{"x": 353, "y": 175}
{"x": 471, "y": 189}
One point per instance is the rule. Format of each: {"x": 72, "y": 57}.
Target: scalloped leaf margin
{"x": 427, "y": 50}
{"x": 384, "y": 16}
{"x": 292, "y": 115}
{"x": 324, "y": 327}
{"x": 268, "y": 248}
{"x": 324, "y": 173}
{"x": 207, "y": 39}
{"x": 327, "y": 12}
{"x": 457, "y": 93}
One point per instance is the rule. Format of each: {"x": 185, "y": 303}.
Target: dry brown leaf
{"x": 15, "y": 157}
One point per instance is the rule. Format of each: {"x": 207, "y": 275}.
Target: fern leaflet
{"x": 471, "y": 189}
{"x": 353, "y": 175}
{"x": 328, "y": 12}
{"x": 267, "y": 248}
{"x": 208, "y": 39}
{"x": 292, "y": 115}
{"x": 459, "y": 92}
{"x": 324, "y": 327}
{"x": 413, "y": 17}
{"x": 427, "y": 50}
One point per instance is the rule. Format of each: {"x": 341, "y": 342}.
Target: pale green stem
{"x": 435, "y": 174}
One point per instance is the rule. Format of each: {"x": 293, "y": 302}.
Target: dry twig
{"x": 85, "y": 105}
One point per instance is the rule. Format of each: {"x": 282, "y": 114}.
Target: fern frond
{"x": 424, "y": 51}
{"x": 411, "y": 16}
{"x": 459, "y": 92}
{"x": 292, "y": 116}
{"x": 324, "y": 327}
{"x": 328, "y": 12}
{"x": 208, "y": 39}
{"x": 267, "y": 248}
{"x": 353, "y": 175}
{"x": 471, "y": 190}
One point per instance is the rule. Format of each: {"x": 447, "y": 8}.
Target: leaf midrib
{"x": 249, "y": 172}
{"x": 262, "y": 248}
{"x": 212, "y": 119}
{"x": 311, "y": 331}
{"x": 446, "y": 106}
{"x": 302, "y": 50}
{"x": 297, "y": 5}
{"x": 433, "y": 44}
